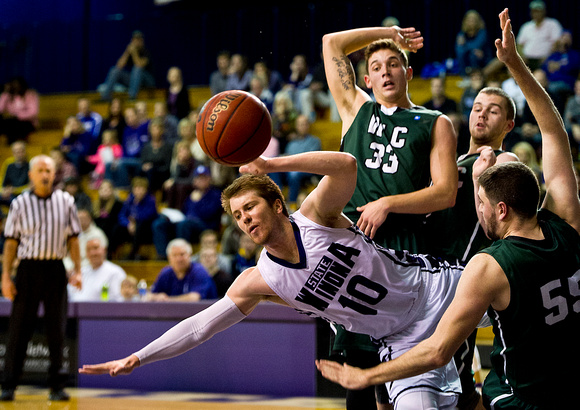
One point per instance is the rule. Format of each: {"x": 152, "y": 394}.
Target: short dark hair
{"x": 515, "y": 184}
{"x": 262, "y": 185}
{"x": 510, "y": 103}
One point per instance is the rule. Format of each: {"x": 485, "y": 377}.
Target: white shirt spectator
{"x": 537, "y": 40}
{"x": 93, "y": 280}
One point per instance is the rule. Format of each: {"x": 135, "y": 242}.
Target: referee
{"x": 40, "y": 224}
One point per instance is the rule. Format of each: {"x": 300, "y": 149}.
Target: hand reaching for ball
{"x": 257, "y": 167}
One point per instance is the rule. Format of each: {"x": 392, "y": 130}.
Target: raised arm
{"x": 480, "y": 284}
{"x": 561, "y": 189}
{"x": 333, "y": 192}
{"x": 339, "y": 71}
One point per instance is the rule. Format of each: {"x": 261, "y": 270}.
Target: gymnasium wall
{"x": 69, "y": 45}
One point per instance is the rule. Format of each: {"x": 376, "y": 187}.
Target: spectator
{"x": 88, "y": 230}
{"x": 246, "y": 256}
{"x": 156, "y": 156}
{"x": 178, "y": 186}
{"x": 91, "y": 120}
{"x": 176, "y": 95}
{"x": 439, "y": 101}
{"x": 14, "y": 173}
{"x": 76, "y": 144}
{"x": 219, "y": 78}
{"x": 169, "y": 121}
{"x": 210, "y": 239}
{"x": 101, "y": 278}
{"x": 259, "y": 89}
{"x": 64, "y": 169}
{"x": 135, "y": 219}
{"x": 240, "y": 73}
{"x": 300, "y": 141}
{"x": 527, "y": 155}
{"x": 272, "y": 78}
{"x": 562, "y": 67}
{"x": 129, "y": 290}
{"x": 476, "y": 82}
{"x": 115, "y": 119}
{"x": 133, "y": 69}
{"x": 283, "y": 118}
{"x": 202, "y": 210}
{"x": 209, "y": 259}
{"x": 142, "y": 113}
{"x": 19, "y": 106}
{"x": 73, "y": 186}
{"x": 186, "y": 129}
{"x": 471, "y": 45}
{"x": 537, "y": 36}
{"x": 182, "y": 280}
{"x": 109, "y": 151}
{"x": 106, "y": 209}
{"x": 299, "y": 79}
{"x": 134, "y": 137}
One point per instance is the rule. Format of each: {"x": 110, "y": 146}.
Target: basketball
{"x": 234, "y": 128}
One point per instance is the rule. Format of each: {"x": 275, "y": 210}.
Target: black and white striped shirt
{"x": 42, "y": 226}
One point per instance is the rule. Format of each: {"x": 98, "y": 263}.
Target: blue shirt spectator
{"x": 182, "y": 280}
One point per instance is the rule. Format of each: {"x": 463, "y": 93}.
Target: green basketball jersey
{"x": 455, "y": 233}
{"x": 535, "y": 354}
{"x": 392, "y": 149}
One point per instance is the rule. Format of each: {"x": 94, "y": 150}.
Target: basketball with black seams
{"x": 234, "y": 128}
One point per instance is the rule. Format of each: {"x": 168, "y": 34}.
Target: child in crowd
{"x": 109, "y": 151}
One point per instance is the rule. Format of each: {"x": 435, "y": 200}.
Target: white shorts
{"x": 444, "y": 380}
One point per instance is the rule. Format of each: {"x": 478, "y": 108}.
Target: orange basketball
{"x": 234, "y": 127}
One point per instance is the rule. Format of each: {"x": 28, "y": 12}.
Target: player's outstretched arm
{"x": 481, "y": 281}
{"x": 561, "y": 189}
{"x": 182, "y": 337}
{"x": 333, "y": 191}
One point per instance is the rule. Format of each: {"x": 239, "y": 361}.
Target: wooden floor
{"x": 33, "y": 398}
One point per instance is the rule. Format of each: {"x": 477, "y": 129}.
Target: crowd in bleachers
{"x": 144, "y": 180}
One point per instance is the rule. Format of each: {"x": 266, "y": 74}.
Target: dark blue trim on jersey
{"x": 301, "y": 251}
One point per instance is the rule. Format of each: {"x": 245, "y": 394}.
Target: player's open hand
{"x": 256, "y": 167}
{"x": 372, "y": 216}
{"x": 349, "y": 377}
{"x": 113, "y": 368}
{"x": 409, "y": 39}
{"x": 506, "y": 46}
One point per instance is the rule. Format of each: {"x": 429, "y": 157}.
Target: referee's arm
{"x": 8, "y": 287}
{"x": 75, "y": 278}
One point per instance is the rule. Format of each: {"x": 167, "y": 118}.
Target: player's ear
{"x": 278, "y": 206}
{"x": 510, "y": 126}
{"x": 502, "y": 210}
{"x": 409, "y": 73}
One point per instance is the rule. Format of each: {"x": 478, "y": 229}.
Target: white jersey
{"x": 345, "y": 278}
